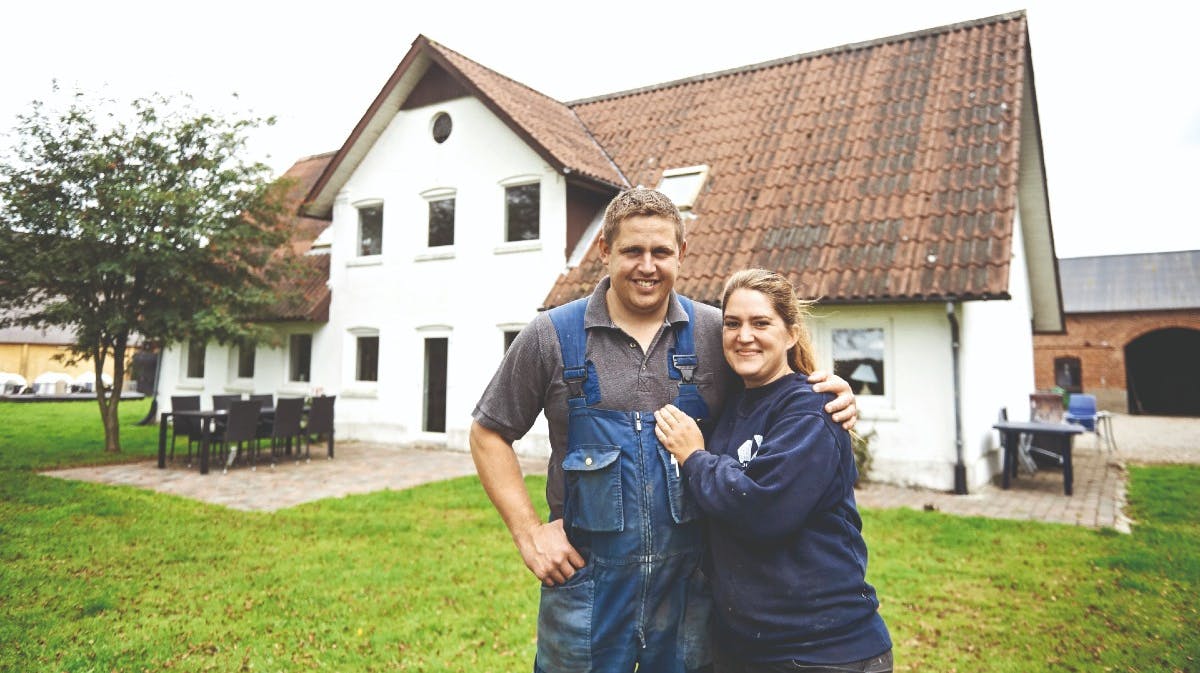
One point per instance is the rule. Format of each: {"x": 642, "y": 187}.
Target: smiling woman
{"x": 777, "y": 483}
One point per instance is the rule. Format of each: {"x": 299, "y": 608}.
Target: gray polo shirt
{"x": 529, "y": 380}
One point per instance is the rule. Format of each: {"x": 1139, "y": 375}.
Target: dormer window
{"x": 683, "y": 185}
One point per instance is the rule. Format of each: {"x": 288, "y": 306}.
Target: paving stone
{"x": 363, "y": 467}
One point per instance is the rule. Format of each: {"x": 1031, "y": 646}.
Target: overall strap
{"x": 682, "y": 360}
{"x": 579, "y": 374}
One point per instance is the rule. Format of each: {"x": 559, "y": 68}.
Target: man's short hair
{"x": 643, "y": 202}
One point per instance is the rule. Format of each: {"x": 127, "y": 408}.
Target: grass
{"x": 100, "y": 578}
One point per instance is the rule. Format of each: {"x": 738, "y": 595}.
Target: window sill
{"x": 295, "y": 388}
{"x": 369, "y": 260}
{"x": 426, "y": 439}
{"x": 518, "y": 246}
{"x": 431, "y": 254}
{"x": 360, "y": 391}
{"x": 240, "y": 386}
{"x": 190, "y": 384}
{"x": 884, "y": 414}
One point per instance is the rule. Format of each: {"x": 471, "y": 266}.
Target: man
{"x": 619, "y": 558}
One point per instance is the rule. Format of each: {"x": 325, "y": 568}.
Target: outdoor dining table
{"x": 207, "y": 418}
{"x": 1059, "y": 435}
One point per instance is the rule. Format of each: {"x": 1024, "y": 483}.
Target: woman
{"x": 777, "y": 484}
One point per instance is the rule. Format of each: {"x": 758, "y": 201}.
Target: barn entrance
{"x": 1162, "y": 372}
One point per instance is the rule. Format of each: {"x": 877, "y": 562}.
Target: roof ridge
{"x": 434, "y": 43}
{"x": 853, "y": 46}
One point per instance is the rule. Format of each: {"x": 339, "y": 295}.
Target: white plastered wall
{"x": 468, "y": 293}
{"x": 270, "y": 368}
{"x": 997, "y": 365}
{"x": 913, "y": 420}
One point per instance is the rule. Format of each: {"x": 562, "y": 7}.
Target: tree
{"x": 144, "y": 221}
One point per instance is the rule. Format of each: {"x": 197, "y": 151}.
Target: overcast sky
{"x": 1116, "y": 83}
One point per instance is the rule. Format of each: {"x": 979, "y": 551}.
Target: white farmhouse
{"x": 900, "y": 181}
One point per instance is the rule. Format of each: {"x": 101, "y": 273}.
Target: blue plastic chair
{"x": 1081, "y": 410}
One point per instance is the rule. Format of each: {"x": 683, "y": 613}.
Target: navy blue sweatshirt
{"x": 788, "y": 557}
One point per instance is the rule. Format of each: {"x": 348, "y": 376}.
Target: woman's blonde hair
{"x": 782, "y": 295}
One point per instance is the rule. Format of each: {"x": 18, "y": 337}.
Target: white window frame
{"x": 237, "y": 384}
{"x": 351, "y": 386}
{"x": 427, "y": 252}
{"x": 507, "y": 246}
{"x": 297, "y": 387}
{"x": 186, "y": 381}
{"x": 683, "y": 196}
{"x": 358, "y": 207}
{"x": 873, "y": 406}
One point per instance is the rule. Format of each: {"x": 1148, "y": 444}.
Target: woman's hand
{"x": 678, "y": 433}
{"x": 842, "y": 408}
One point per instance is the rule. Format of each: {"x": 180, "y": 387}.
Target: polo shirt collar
{"x": 597, "y": 314}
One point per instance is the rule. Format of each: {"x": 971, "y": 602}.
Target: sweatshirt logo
{"x": 748, "y": 450}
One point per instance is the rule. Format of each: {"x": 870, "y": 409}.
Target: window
{"x": 245, "y": 362}
{"x": 370, "y": 230}
{"x": 436, "y": 352}
{"x": 368, "y": 359}
{"x": 300, "y": 357}
{"x": 509, "y": 337}
{"x": 521, "y": 212}
{"x": 1068, "y": 374}
{"x": 858, "y": 358}
{"x": 442, "y": 125}
{"x": 441, "y": 222}
{"x": 682, "y": 185}
{"x": 195, "y": 359}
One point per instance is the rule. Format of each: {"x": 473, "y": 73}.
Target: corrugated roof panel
{"x": 1142, "y": 282}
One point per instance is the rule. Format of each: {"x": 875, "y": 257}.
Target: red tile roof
{"x": 880, "y": 171}
{"x": 305, "y": 294}
{"x": 551, "y": 127}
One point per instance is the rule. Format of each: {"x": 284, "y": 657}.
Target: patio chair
{"x": 1082, "y": 411}
{"x": 223, "y": 402}
{"x": 241, "y": 428}
{"x": 267, "y": 400}
{"x": 320, "y": 421}
{"x": 286, "y": 425}
{"x": 189, "y": 427}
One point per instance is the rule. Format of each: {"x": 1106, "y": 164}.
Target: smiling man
{"x": 619, "y": 559}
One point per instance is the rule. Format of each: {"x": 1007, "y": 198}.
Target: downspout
{"x": 960, "y": 468}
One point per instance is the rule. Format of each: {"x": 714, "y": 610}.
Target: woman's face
{"x": 755, "y": 338}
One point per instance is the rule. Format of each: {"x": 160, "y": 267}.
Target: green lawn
{"x": 98, "y": 578}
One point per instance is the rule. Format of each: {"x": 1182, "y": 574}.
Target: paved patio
{"x": 362, "y": 467}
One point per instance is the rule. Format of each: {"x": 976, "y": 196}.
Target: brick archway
{"x": 1162, "y": 372}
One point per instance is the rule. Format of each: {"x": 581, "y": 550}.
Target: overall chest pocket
{"x": 683, "y": 507}
{"x": 593, "y": 498}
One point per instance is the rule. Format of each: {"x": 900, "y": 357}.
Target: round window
{"x": 441, "y": 127}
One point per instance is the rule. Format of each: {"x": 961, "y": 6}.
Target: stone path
{"x": 362, "y": 467}
{"x": 359, "y": 467}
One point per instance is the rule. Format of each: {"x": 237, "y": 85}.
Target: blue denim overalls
{"x": 641, "y": 600}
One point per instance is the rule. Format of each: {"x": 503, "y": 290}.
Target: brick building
{"x": 1132, "y": 333}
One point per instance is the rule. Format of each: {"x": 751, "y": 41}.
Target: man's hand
{"x": 842, "y": 408}
{"x": 548, "y": 554}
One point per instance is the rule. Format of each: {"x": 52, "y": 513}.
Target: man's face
{"x": 643, "y": 263}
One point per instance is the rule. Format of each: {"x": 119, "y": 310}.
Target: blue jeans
{"x": 880, "y": 664}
